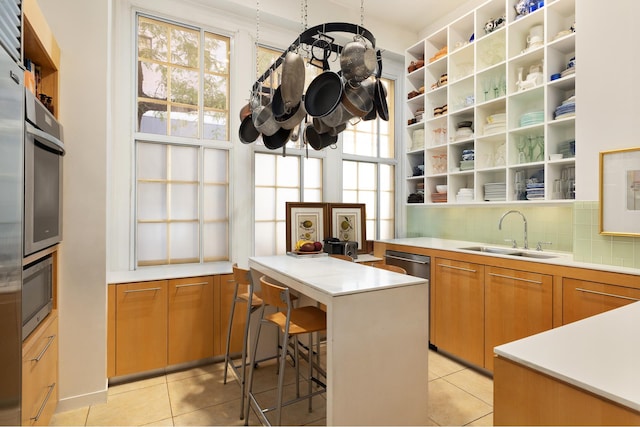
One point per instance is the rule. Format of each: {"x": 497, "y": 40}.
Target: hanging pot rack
{"x": 317, "y": 33}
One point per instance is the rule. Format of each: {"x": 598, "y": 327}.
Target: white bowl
{"x": 555, "y": 156}
{"x": 441, "y": 188}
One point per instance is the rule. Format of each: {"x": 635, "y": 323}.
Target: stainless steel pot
{"x": 357, "y": 60}
{"x": 265, "y": 122}
{"x": 357, "y": 99}
{"x": 291, "y": 120}
{"x": 316, "y": 140}
{"x": 293, "y": 77}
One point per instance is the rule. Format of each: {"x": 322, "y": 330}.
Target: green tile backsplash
{"x": 569, "y": 228}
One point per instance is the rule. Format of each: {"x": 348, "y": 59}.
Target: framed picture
{"x": 347, "y": 223}
{"x": 620, "y": 192}
{"x": 306, "y": 221}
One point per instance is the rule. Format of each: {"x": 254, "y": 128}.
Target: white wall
{"x": 81, "y": 29}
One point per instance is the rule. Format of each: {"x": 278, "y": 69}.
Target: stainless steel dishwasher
{"x": 415, "y": 265}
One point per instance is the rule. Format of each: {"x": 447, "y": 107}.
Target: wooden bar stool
{"x": 390, "y": 267}
{"x": 243, "y": 293}
{"x": 291, "y": 322}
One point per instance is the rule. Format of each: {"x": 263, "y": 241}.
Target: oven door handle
{"x": 45, "y": 139}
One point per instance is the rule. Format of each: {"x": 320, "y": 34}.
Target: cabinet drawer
{"x": 40, "y": 374}
{"x": 581, "y": 299}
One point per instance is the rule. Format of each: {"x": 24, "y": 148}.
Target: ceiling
{"x": 414, "y": 15}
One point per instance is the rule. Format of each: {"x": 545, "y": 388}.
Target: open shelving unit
{"x": 531, "y": 157}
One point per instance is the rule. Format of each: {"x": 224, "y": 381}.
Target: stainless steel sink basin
{"x": 508, "y": 251}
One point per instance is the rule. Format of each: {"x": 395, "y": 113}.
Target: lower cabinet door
{"x": 517, "y": 304}
{"x": 190, "y": 323}
{"x": 458, "y": 309}
{"x": 141, "y": 327}
{"x": 581, "y": 299}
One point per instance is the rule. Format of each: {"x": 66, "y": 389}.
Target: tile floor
{"x": 457, "y": 396}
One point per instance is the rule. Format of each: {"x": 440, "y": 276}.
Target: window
{"x": 368, "y": 170}
{"x": 182, "y": 179}
{"x": 183, "y": 81}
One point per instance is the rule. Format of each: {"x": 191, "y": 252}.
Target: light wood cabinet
{"x": 458, "y": 309}
{"x": 581, "y": 298}
{"x": 190, "y": 322}
{"x": 141, "y": 327}
{"x": 517, "y": 304}
{"x": 40, "y": 373}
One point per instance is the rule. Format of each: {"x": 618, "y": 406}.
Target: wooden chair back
{"x": 341, "y": 256}
{"x": 241, "y": 277}
{"x": 390, "y": 267}
{"x": 272, "y": 294}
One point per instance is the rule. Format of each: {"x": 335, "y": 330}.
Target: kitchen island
{"x": 377, "y": 336}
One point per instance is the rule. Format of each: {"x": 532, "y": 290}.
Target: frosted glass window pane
{"x": 311, "y": 195}
{"x": 349, "y": 174}
{"x": 367, "y": 176}
{"x": 184, "y": 201}
{"x": 288, "y": 171}
{"x": 152, "y": 242}
{"x": 387, "y": 178}
{"x": 184, "y": 163}
{"x": 349, "y": 196}
{"x": 386, "y": 229}
{"x": 264, "y": 245}
{"x": 313, "y": 173}
{"x": 386, "y": 205}
{"x": 265, "y": 209}
{"x": 370, "y": 227}
{"x": 152, "y": 201}
{"x": 184, "y": 241}
{"x": 348, "y": 142}
{"x": 281, "y": 238}
{"x": 216, "y": 166}
{"x": 215, "y": 241}
{"x": 284, "y": 195}
{"x": 215, "y": 202}
{"x": 152, "y": 161}
{"x": 265, "y": 169}
{"x": 386, "y": 150}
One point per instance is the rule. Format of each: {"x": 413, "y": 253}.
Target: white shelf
{"x": 482, "y": 74}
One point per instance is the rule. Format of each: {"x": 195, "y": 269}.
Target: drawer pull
{"x": 606, "y": 294}
{"x": 537, "y": 282}
{"x": 130, "y": 291}
{"x": 457, "y": 268}
{"x": 44, "y": 404}
{"x": 44, "y": 350}
{"x": 188, "y": 285}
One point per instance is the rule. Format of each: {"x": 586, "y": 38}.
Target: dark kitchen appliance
{"x": 43, "y": 151}
{"x": 335, "y": 246}
{"x": 415, "y": 265}
{"x": 37, "y": 294}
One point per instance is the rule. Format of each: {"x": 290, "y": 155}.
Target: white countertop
{"x": 335, "y": 277}
{"x": 144, "y": 274}
{"x": 563, "y": 258}
{"x": 600, "y": 354}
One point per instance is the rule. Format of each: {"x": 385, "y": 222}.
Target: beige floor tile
{"x": 136, "y": 385}
{"x": 224, "y": 414}
{"x": 449, "y": 405}
{"x": 296, "y": 413}
{"x": 136, "y": 407}
{"x": 167, "y": 422}
{"x": 479, "y": 385}
{"x": 198, "y": 392}
{"x": 487, "y": 420}
{"x": 266, "y": 375}
{"x": 440, "y": 366}
{"x": 211, "y": 368}
{"x": 76, "y": 417}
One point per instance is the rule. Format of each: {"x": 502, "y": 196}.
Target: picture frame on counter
{"x": 620, "y": 192}
{"x": 347, "y": 222}
{"x": 305, "y": 220}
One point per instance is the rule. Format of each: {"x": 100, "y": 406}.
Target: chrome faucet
{"x": 526, "y": 238}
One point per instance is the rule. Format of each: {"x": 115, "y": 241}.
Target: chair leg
{"x": 245, "y": 339}
{"x": 283, "y": 359}
{"x": 226, "y": 354}
{"x": 310, "y": 360}
{"x": 249, "y": 388}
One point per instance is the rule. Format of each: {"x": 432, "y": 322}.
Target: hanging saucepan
{"x": 321, "y": 127}
{"x": 323, "y": 94}
{"x": 357, "y": 99}
{"x": 380, "y": 93}
{"x": 338, "y": 116}
{"x": 265, "y": 122}
{"x": 248, "y": 132}
{"x": 245, "y": 111}
{"x": 292, "y": 119}
{"x": 357, "y": 60}
{"x": 316, "y": 140}
{"x": 277, "y": 104}
{"x": 293, "y": 77}
{"x": 276, "y": 140}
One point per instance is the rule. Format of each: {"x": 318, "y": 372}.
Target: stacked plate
{"x": 495, "y": 123}
{"x": 495, "y": 191}
{"x": 535, "y": 190}
{"x": 567, "y": 148}
{"x": 464, "y": 195}
{"x": 567, "y": 108}
{"x": 532, "y": 118}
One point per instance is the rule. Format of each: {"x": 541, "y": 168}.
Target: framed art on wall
{"x": 620, "y": 192}
{"x": 347, "y": 223}
{"x": 306, "y": 221}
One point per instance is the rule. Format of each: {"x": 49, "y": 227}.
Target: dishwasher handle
{"x": 415, "y": 261}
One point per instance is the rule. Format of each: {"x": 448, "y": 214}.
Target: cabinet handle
{"x": 537, "y": 282}
{"x": 44, "y": 403}
{"x": 188, "y": 285}
{"x": 44, "y": 350}
{"x": 606, "y": 294}
{"x": 457, "y": 268}
{"x": 130, "y": 291}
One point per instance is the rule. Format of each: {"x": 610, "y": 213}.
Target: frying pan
{"x": 293, "y": 77}
{"x": 277, "y": 140}
{"x": 248, "y": 132}
{"x": 380, "y": 93}
{"x": 323, "y": 94}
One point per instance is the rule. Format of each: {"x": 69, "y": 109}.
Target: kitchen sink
{"x": 509, "y": 251}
